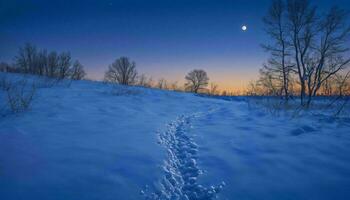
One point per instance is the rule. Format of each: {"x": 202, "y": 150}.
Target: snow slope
{"x": 97, "y": 141}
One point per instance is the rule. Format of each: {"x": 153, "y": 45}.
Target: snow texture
{"x": 95, "y": 141}
{"x": 181, "y": 168}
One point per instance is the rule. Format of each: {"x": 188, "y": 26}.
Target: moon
{"x": 244, "y": 27}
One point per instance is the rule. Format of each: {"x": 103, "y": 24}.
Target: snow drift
{"x": 97, "y": 141}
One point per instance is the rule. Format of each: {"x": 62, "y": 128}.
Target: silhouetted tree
{"x": 52, "y": 64}
{"x": 308, "y": 44}
{"x": 337, "y": 85}
{"x": 78, "y": 72}
{"x": 25, "y": 60}
{"x": 331, "y": 53}
{"x": 318, "y": 43}
{"x": 196, "y": 80}
{"x": 270, "y": 84}
{"x": 277, "y": 68}
{"x": 33, "y": 61}
{"x": 174, "y": 86}
{"x": 162, "y": 84}
{"x": 122, "y": 71}
{"x": 214, "y": 89}
{"x": 64, "y": 65}
{"x": 144, "y": 81}
{"x": 342, "y": 84}
{"x": 41, "y": 63}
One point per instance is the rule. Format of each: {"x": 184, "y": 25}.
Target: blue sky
{"x": 165, "y": 38}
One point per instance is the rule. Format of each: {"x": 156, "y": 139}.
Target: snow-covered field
{"x": 96, "y": 141}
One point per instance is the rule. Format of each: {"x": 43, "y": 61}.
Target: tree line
{"x": 308, "y": 52}
{"x": 308, "y": 56}
{"x": 31, "y": 60}
{"x": 123, "y": 71}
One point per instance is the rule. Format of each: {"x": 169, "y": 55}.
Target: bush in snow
{"x": 330, "y": 107}
{"x": 18, "y": 95}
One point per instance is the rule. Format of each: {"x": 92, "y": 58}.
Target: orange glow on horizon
{"x": 231, "y": 82}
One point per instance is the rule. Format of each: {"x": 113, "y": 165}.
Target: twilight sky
{"x": 166, "y": 38}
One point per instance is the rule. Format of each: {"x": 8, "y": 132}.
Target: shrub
{"x": 18, "y": 95}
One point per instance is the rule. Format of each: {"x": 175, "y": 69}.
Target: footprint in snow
{"x": 180, "y": 168}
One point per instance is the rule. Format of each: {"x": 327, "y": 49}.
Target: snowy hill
{"x": 97, "y": 141}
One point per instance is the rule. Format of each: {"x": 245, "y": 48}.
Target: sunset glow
{"x": 165, "y": 39}
{"x": 174, "y": 99}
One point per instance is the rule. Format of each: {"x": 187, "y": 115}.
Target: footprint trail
{"x": 180, "y": 168}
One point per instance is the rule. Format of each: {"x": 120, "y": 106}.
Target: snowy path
{"x": 180, "y": 168}
{"x": 252, "y": 152}
{"x": 84, "y": 142}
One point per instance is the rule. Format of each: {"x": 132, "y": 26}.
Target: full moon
{"x": 244, "y": 28}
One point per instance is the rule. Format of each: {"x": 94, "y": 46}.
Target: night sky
{"x": 165, "y": 38}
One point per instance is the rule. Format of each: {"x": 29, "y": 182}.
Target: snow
{"x": 181, "y": 169}
{"x": 97, "y": 141}
{"x": 266, "y": 157}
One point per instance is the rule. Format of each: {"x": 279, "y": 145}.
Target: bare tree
{"x": 174, "y": 86}
{"x": 252, "y": 89}
{"x": 341, "y": 84}
{"x": 214, "y": 89}
{"x": 301, "y": 19}
{"x": 40, "y": 62}
{"x": 308, "y": 47}
{"x": 122, "y": 71}
{"x": 33, "y": 61}
{"x": 162, "y": 84}
{"x": 78, "y": 72}
{"x": 25, "y": 59}
{"x": 330, "y": 53}
{"x": 142, "y": 80}
{"x": 318, "y": 43}
{"x": 271, "y": 85}
{"x": 278, "y": 67}
{"x": 64, "y": 65}
{"x": 150, "y": 82}
{"x": 52, "y": 64}
{"x": 196, "y": 80}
